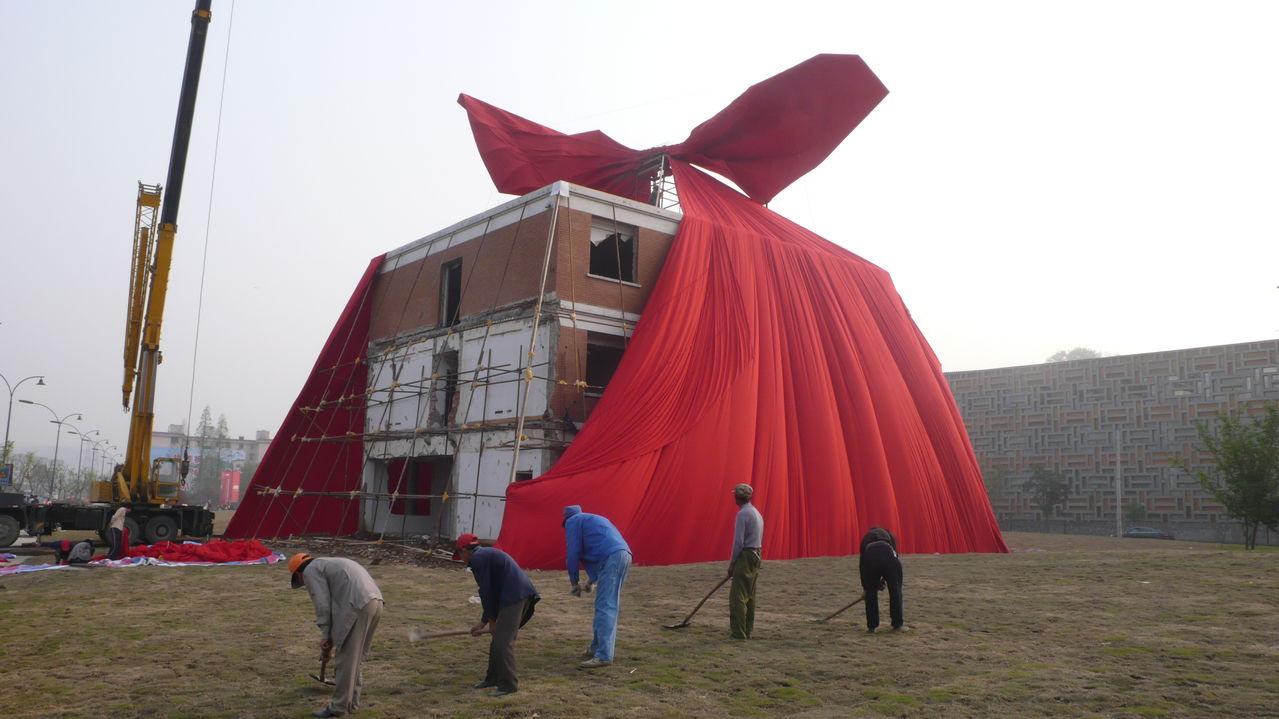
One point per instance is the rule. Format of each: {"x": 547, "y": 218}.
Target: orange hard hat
{"x": 295, "y": 563}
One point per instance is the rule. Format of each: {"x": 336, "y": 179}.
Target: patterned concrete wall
{"x": 1069, "y": 417}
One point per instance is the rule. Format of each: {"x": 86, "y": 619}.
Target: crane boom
{"x": 152, "y": 257}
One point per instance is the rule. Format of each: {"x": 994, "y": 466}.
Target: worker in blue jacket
{"x": 507, "y": 598}
{"x": 593, "y": 542}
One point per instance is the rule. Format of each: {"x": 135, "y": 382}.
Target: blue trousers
{"x": 608, "y": 602}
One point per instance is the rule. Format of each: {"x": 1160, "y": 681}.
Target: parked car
{"x": 1146, "y": 533}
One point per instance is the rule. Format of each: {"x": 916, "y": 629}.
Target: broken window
{"x": 445, "y": 389}
{"x": 603, "y": 354}
{"x": 450, "y": 292}
{"x": 613, "y": 250}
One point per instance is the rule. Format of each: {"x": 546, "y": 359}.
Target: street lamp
{"x": 93, "y": 463}
{"x": 57, "y": 437}
{"x": 84, "y": 437}
{"x": 14, "y": 388}
{"x": 106, "y": 459}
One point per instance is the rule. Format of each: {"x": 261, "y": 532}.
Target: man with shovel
{"x": 348, "y": 606}
{"x": 744, "y": 563}
{"x": 507, "y": 597}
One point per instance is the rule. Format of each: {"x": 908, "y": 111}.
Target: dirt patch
{"x": 372, "y": 551}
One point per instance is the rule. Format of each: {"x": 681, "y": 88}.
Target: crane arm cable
{"x": 208, "y": 220}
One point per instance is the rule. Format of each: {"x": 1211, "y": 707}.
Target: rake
{"x": 684, "y": 623}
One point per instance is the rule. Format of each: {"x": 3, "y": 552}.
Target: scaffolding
{"x": 444, "y": 419}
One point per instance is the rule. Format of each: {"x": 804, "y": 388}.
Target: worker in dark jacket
{"x": 507, "y": 598}
{"x": 880, "y": 567}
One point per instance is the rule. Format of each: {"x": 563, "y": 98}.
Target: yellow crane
{"x": 151, "y": 487}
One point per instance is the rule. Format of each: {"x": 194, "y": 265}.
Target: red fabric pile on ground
{"x": 216, "y": 551}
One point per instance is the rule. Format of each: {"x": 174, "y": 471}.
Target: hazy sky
{"x": 1041, "y": 175}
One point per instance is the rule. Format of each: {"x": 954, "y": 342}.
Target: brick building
{"x": 1076, "y": 417}
{"x": 565, "y": 271}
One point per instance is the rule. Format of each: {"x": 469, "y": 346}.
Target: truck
{"x": 151, "y": 488}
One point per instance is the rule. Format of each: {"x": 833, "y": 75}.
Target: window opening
{"x": 450, "y": 292}
{"x": 603, "y": 354}
{"x": 445, "y": 389}
{"x": 521, "y": 476}
{"x": 408, "y": 477}
{"x": 613, "y": 250}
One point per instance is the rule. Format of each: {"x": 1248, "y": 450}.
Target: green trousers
{"x": 741, "y": 597}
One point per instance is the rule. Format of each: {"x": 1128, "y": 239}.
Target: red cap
{"x": 466, "y": 541}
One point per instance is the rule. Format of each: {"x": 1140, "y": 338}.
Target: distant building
{"x": 1074, "y": 417}
{"x": 235, "y": 451}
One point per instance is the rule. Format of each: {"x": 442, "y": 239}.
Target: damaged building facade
{"x": 490, "y": 342}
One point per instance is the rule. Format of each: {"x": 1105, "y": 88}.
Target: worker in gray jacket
{"x": 743, "y": 563}
{"x": 348, "y": 605}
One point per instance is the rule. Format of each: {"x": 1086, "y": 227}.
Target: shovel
{"x": 417, "y": 634}
{"x": 324, "y": 662}
{"x": 841, "y": 610}
{"x": 684, "y": 623}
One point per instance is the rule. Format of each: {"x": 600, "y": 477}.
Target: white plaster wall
{"x": 482, "y": 459}
{"x": 504, "y": 346}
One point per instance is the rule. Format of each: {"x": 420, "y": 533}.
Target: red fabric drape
{"x": 336, "y": 387}
{"x": 765, "y": 355}
{"x": 772, "y": 134}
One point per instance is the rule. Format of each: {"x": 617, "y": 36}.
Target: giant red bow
{"x": 764, "y": 140}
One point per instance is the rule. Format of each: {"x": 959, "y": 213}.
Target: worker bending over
{"x": 593, "y": 542}
{"x": 744, "y": 563}
{"x": 507, "y": 597}
{"x": 879, "y": 566}
{"x": 348, "y": 605}
{"x": 70, "y": 552}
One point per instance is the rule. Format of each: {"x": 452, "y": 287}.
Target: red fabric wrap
{"x": 336, "y": 387}
{"x": 772, "y": 134}
{"x": 765, "y": 355}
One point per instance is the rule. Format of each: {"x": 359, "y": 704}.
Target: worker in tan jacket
{"x": 348, "y": 605}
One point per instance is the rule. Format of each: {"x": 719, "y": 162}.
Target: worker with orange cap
{"x": 348, "y": 606}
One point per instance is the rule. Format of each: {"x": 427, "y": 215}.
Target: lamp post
{"x": 93, "y": 463}
{"x": 57, "y": 437}
{"x": 84, "y": 437}
{"x": 13, "y": 388}
{"x": 106, "y": 456}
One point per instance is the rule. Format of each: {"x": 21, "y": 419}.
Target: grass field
{"x": 1062, "y": 627}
